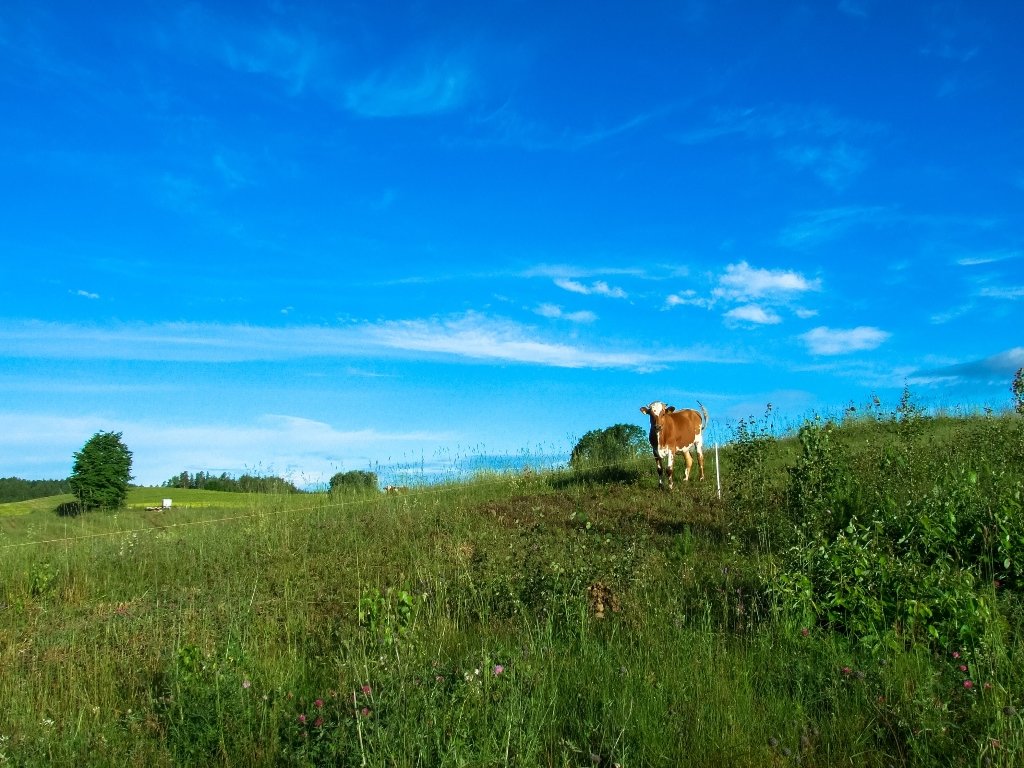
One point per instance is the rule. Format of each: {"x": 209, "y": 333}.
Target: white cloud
{"x": 689, "y": 297}
{"x": 741, "y": 282}
{"x": 86, "y": 294}
{"x": 470, "y": 336}
{"x": 753, "y": 313}
{"x": 831, "y": 341}
{"x": 475, "y": 337}
{"x": 598, "y": 287}
{"x": 555, "y": 312}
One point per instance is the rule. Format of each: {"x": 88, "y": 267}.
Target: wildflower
{"x": 805, "y": 632}
{"x": 365, "y": 711}
{"x": 968, "y": 684}
{"x": 247, "y": 683}
{"x": 319, "y": 703}
{"x": 963, "y": 667}
{"x": 987, "y": 686}
{"x": 302, "y": 718}
{"x": 498, "y": 669}
{"x": 956, "y": 654}
{"x": 367, "y": 690}
{"x": 847, "y": 671}
{"x": 318, "y": 722}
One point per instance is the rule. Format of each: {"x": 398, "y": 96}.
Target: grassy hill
{"x": 854, "y": 597}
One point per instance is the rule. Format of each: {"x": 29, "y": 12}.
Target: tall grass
{"x": 558, "y": 618}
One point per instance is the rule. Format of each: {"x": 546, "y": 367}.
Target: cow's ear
{"x": 670, "y": 408}
{"x": 645, "y": 409}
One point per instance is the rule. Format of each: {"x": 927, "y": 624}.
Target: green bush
{"x": 355, "y": 480}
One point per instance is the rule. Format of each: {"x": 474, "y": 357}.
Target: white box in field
{"x": 167, "y": 503}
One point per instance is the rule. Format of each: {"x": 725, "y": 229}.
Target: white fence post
{"x": 718, "y": 473}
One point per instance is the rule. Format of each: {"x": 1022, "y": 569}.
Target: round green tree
{"x": 613, "y": 445}
{"x": 355, "y": 480}
{"x": 102, "y": 472}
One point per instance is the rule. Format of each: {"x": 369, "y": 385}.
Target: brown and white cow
{"x": 675, "y": 432}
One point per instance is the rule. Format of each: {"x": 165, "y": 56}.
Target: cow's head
{"x": 657, "y": 411}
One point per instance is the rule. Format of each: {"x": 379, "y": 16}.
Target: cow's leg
{"x": 657, "y": 459}
{"x": 700, "y": 459}
{"x": 671, "y": 458}
{"x": 689, "y": 462}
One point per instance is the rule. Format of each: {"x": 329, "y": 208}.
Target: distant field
{"x": 36, "y": 520}
{"x": 138, "y": 498}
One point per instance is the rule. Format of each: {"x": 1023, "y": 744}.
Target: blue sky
{"x": 301, "y": 238}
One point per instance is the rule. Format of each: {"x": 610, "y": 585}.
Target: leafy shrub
{"x": 908, "y": 561}
{"x": 822, "y": 495}
{"x": 752, "y": 482}
{"x": 609, "y": 447}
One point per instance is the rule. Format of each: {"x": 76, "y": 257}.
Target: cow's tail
{"x": 704, "y": 422}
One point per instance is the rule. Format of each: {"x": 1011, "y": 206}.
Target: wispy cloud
{"x": 283, "y": 54}
{"x": 507, "y": 127}
{"x": 423, "y": 87}
{"x": 598, "y": 287}
{"x": 276, "y": 48}
{"x": 809, "y": 138}
{"x": 86, "y": 294}
{"x": 993, "y": 257}
{"x": 832, "y": 341}
{"x": 816, "y": 227}
{"x": 836, "y": 164}
{"x": 575, "y": 272}
{"x": 1010, "y": 292}
{"x": 556, "y": 312}
{"x": 470, "y": 336}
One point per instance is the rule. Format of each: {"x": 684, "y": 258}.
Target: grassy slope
{"x": 168, "y": 638}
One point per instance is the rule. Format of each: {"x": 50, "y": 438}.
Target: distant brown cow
{"x": 675, "y": 432}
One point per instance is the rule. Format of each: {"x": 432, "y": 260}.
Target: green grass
{"x": 457, "y": 625}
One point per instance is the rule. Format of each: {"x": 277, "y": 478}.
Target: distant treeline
{"x": 224, "y": 482}
{"x": 16, "y": 489}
